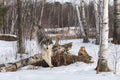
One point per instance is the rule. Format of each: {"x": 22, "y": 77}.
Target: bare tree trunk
{"x": 116, "y": 35}
{"x": 13, "y": 23}
{"x": 33, "y": 16}
{"x": 21, "y": 47}
{"x": 41, "y": 15}
{"x": 80, "y": 22}
{"x": 2, "y": 13}
{"x": 4, "y": 31}
{"x": 84, "y": 22}
{"x": 14, "y": 17}
{"x": 102, "y": 65}
{"x": 97, "y": 22}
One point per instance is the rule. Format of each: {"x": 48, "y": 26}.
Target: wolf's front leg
{"x": 47, "y": 59}
{"x": 50, "y": 61}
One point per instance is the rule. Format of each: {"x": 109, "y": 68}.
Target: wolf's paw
{"x": 51, "y": 67}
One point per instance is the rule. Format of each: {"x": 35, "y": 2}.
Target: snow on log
{"x": 8, "y": 37}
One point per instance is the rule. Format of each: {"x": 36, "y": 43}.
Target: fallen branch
{"x": 22, "y": 63}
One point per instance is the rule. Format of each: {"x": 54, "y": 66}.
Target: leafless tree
{"x": 21, "y": 47}
{"x": 80, "y": 22}
{"x": 116, "y": 35}
{"x": 84, "y": 21}
{"x": 97, "y": 21}
{"x": 102, "y": 65}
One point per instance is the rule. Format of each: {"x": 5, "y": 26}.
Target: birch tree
{"x": 102, "y": 65}
{"x": 80, "y": 22}
{"x": 97, "y": 21}
{"x": 116, "y": 35}
{"x": 84, "y": 22}
{"x": 14, "y": 20}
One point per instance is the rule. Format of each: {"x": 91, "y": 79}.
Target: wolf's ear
{"x": 50, "y": 40}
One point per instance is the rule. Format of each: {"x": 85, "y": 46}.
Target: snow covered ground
{"x": 76, "y": 71}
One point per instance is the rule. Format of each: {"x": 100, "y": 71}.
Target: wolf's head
{"x": 47, "y": 44}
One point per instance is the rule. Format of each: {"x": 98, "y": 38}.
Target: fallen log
{"x": 22, "y": 63}
{"x": 8, "y": 37}
{"x": 60, "y": 57}
{"x": 34, "y": 59}
{"x": 65, "y": 59}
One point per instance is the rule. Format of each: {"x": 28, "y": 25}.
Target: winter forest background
{"x": 92, "y": 24}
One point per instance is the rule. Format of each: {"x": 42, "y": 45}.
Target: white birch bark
{"x": 104, "y": 31}
{"x": 84, "y": 22}
{"x": 102, "y": 65}
{"x": 80, "y": 23}
{"x": 83, "y": 9}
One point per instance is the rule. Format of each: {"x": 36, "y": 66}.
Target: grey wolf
{"x": 44, "y": 44}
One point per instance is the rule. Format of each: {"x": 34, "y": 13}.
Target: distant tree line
{"x": 55, "y": 15}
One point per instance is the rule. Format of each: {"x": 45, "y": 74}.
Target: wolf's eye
{"x": 43, "y": 42}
